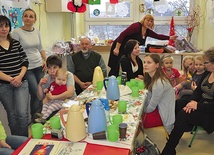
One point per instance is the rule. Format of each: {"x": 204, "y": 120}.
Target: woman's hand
{"x": 191, "y": 106}
{"x": 3, "y": 144}
{"x": 116, "y": 51}
{"x": 44, "y": 66}
{"x": 16, "y": 81}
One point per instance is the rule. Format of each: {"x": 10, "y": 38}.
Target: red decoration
{"x": 113, "y": 1}
{"x": 85, "y": 1}
{"x": 76, "y": 6}
{"x": 172, "y": 32}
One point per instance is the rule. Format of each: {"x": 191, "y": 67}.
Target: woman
{"x": 13, "y": 86}
{"x": 9, "y": 143}
{"x": 159, "y": 106}
{"x": 131, "y": 63}
{"x": 198, "y": 110}
{"x": 138, "y": 31}
{"x": 29, "y": 38}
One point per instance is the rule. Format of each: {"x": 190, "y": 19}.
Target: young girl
{"x": 159, "y": 107}
{"x": 167, "y": 67}
{"x": 187, "y": 87}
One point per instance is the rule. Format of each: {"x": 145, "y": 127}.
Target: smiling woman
{"x": 29, "y": 38}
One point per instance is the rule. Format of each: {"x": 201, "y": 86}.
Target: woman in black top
{"x": 199, "y": 110}
{"x": 131, "y": 63}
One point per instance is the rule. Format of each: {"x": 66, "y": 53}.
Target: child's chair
{"x": 194, "y": 131}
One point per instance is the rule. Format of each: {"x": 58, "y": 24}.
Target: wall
{"x": 53, "y": 26}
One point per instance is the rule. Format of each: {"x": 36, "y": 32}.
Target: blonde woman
{"x": 138, "y": 31}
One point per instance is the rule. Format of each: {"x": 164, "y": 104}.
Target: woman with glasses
{"x": 198, "y": 110}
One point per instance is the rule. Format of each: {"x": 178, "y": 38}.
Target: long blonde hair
{"x": 149, "y": 17}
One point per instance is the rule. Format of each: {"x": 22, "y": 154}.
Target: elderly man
{"x": 83, "y": 63}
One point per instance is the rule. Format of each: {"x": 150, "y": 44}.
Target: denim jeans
{"x": 33, "y": 76}
{"x": 15, "y": 102}
{"x": 14, "y": 142}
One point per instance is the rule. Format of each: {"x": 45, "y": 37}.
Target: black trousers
{"x": 184, "y": 122}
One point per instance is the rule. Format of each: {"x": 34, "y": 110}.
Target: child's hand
{"x": 49, "y": 96}
{"x": 193, "y": 85}
{"x": 45, "y": 90}
{"x": 43, "y": 81}
{"x": 4, "y": 144}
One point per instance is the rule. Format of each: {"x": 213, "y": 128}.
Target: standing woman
{"x": 159, "y": 108}
{"x": 13, "y": 86}
{"x": 138, "y": 31}
{"x": 29, "y": 38}
{"x": 131, "y": 63}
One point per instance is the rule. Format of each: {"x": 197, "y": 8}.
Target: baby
{"x": 57, "y": 87}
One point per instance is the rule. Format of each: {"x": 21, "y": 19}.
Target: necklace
{"x": 27, "y": 30}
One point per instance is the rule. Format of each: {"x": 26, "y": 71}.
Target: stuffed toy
{"x": 76, "y": 6}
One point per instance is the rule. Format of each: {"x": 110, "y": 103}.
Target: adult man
{"x": 83, "y": 63}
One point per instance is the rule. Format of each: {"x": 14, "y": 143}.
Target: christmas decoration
{"x": 113, "y": 1}
{"x": 172, "y": 32}
{"x": 76, "y": 6}
{"x": 93, "y": 1}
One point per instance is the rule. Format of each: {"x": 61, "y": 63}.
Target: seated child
{"x": 167, "y": 67}
{"x": 56, "y": 87}
{"x": 9, "y": 143}
{"x": 187, "y": 87}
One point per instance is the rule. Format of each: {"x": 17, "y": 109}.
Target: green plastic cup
{"x": 133, "y": 82}
{"x": 37, "y": 130}
{"x": 122, "y": 106}
{"x": 99, "y": 85}
{"x": 55, "y": 122}
{"x": 135, "y": 91}
{"x": 141, "y": 84}
{"x": 129, "y": 84}
{"x": 113, "y": 133}
{"x": 116, "y": 120}
{"x": 119, "y": 79}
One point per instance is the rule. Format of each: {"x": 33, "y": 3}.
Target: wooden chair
{"x": 194, "y": 131}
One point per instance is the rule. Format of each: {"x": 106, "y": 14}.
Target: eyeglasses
{"x": 206, "y": 62}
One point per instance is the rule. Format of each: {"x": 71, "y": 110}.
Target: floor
{"x": 202, "y": 145}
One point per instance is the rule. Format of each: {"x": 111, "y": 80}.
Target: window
{"x": 107, "y": 21}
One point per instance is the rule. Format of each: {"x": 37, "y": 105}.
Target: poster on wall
{"x": 14, "y": 9}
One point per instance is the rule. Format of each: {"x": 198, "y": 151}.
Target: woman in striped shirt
{"x": 13, "y": 86}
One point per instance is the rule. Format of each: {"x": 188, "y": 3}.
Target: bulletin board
{"x": 14, "y": 9}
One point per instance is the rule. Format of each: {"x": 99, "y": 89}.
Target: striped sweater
{"x": 12, "y": 59}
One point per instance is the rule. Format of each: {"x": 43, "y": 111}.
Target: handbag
{"x": 145, "y": 147}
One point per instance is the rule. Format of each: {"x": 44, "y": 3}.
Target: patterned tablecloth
{"x": 132, "y": 117}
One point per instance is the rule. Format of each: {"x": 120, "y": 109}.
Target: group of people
{"x": 23, "y": 67}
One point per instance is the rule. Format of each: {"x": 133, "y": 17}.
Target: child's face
{"x": 52, "y": 70}
{"x": 199, "y": 65}
{"x": 61, "y": 79}
{"x": 168, "y": 64}
{"x": 189, "y": 64}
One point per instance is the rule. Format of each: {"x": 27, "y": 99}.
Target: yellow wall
{"x": 53, "y": 26}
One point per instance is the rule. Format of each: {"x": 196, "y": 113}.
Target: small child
{"x": 187, "y": 87}
{"x": 56, "y": 87}
{"x": 188, "y": 67}
{"x": 167, "y": 67}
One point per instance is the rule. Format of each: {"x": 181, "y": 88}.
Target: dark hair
{"x": 209, "y": 54}
{"x": 148, "y": 80}
{"x": 29, "y": 9}
{"x": 54, "y": 60}
{"x": 129, "y": 48}
{"x": 5, "y": 21}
